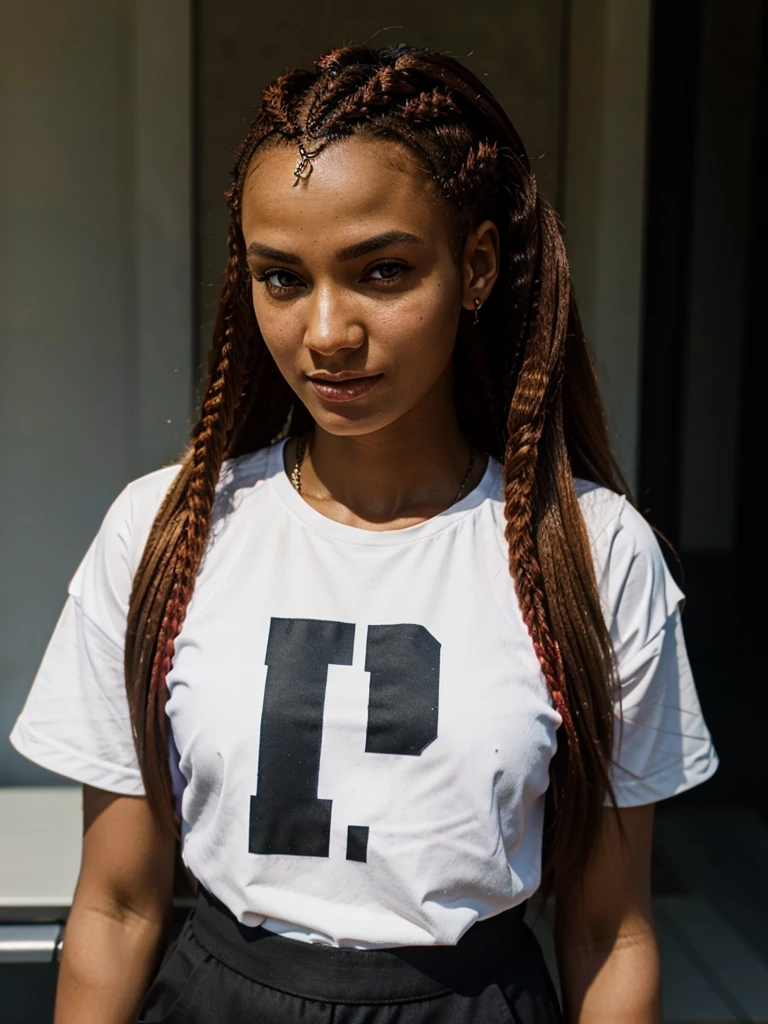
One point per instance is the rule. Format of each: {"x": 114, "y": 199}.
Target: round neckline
{"x": 287, "y": 493}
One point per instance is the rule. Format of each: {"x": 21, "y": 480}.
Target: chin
{"x": 349, "y": 421}
{"x": 348, "y": 426}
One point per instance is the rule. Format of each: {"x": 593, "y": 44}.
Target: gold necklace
{"x": 301, "y": 447}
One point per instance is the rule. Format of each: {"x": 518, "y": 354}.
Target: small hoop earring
{"x": 478, "y": 304}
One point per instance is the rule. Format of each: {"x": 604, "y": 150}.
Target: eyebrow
{"x": 351, "y": 252}
{"x": 348, "y": 252}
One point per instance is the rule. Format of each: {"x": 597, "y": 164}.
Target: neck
{"x": 411, "y": 468}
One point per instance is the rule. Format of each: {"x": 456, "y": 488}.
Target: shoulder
{"x": 119, "y": 543}
{"x": 633, "y": 579}
{"x": 636, "y": 587}
{"x": 606, "y": 512}
{"x": 607, "y": 515}
{"x": 617, "y": 531}
{"x": 127, "y": 521}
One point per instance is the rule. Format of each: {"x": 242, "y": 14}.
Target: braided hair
{"x": 526, "y": 393}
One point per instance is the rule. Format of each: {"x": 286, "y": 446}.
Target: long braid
{"x": 519, "y": 484}
{"x": 538, "y": 377}
{"x": 174, "y": 566}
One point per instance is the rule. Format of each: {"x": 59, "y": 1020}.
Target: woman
{"x": 376, "y": 626}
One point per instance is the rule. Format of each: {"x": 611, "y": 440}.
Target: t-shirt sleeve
{"x": 75, "y": 720}
{"x": 662, "y": 745}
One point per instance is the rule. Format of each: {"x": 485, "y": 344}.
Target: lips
{"x": 344, "y": 390}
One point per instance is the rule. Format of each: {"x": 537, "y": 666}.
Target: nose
{"x": 331, "y": 324}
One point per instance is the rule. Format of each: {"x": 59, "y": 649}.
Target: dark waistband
{"x": 342, "y": 975}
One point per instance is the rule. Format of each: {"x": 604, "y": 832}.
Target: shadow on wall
{"x": 724, "y": 620}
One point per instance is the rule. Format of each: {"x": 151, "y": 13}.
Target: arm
{"x": 120, "y": 911}
{"x": 607, "y": 953}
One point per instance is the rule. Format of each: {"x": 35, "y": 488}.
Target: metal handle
{"x": 30, "y": 943}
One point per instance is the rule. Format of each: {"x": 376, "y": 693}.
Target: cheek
{"x": 423, "y": 327}
{"x": 279, "y": 326}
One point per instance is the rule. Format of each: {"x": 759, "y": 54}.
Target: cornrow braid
{"x": 353, "y": 55}
{"x": 373, "y": 98}
{"x": 334, "y": 85}
{"x": 277, "y": 97}
{"x": 430, "y": 108}
{"x": 479, "y": 172}
{"x": 449, "y": 75}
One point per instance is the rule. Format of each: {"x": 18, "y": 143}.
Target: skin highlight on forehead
{"x": 353, "y": 181}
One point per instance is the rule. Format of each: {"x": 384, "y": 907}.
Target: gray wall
{"x": 94, "y": 293}
{"x": 603, "y": 205}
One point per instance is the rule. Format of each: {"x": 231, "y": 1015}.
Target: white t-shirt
{"x": 362, "y": 728}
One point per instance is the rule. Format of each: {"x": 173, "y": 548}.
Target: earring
{"x": 478, "y": 304}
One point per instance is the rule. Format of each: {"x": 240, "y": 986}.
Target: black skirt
{"x": 221, "y": 972}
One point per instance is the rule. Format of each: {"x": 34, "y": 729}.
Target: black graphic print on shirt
{"x": 287, "y": 816}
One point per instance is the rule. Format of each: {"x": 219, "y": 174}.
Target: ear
{"x": 480, "y": 264}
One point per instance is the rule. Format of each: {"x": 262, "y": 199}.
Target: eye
{"x": 279, "y": 281}
{"x": 389, "y": 271}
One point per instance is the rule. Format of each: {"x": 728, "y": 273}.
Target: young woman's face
{"x": 354, "y": 275}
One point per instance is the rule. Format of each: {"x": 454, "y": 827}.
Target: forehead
{"x": 355, "y": 184}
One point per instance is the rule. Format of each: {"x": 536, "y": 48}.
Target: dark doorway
{"x": 702, "y": 426}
